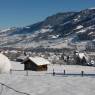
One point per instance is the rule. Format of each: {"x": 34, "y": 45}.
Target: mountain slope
{"x": 53, "y": 31}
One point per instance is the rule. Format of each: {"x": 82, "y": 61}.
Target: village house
{"x": 35, "y": 64}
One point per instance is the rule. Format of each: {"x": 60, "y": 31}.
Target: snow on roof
{"x": 81, "y": 55}
{"x": 39, "y": 60}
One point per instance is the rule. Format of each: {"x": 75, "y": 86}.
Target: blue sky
{"x": 25, "y": 12}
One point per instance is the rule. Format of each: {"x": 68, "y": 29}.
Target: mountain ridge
{"x": 59, "y": 29}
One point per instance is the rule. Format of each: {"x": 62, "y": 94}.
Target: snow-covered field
{"x": 44, "y": 83}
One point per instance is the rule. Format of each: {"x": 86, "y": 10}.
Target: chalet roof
{"x": 81, "y": 55}
{"x": 39, "y": 60}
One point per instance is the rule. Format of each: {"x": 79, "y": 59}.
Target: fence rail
{"x": 4, "y": 85}
{"x": 54, "y": 73}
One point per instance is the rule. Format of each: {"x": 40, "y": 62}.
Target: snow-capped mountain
{"x": 55, "y": 31}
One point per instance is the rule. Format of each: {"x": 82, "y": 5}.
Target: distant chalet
{"x": 35, "y": 64}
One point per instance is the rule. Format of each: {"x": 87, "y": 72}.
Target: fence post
{"x": 53, "y": 72}
{"x": 10, "y": 71}
{"x": 26, "y": 72}
{"x": 64, "y": 72}
{"x": 82, "y": 73}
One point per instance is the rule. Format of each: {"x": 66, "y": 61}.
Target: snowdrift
{"x": 5, "y": 64}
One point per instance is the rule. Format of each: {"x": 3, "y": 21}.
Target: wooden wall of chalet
{"x": 29, "y": 65}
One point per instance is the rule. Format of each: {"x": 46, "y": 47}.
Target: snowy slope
{"x": 80, "y": 25}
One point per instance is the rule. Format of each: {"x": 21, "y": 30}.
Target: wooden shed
{"x": 35, "y": 64}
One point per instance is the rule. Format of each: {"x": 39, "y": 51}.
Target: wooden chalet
{"x": 35, "y": 64}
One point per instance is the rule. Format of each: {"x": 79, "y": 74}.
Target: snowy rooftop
{"x": 81, "y": 55}
{"x": 39, "y": 60}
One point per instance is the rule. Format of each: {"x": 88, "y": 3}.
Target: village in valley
{"x": 39, "y": 59}
{"x": 61, "y": 56}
